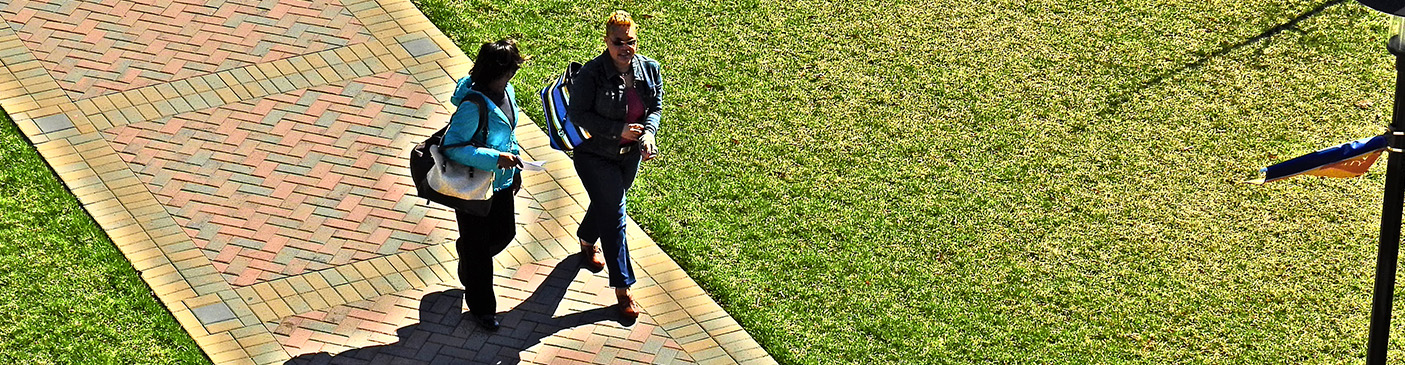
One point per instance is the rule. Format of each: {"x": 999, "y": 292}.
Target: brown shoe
{"x": 591, "y": 258}
{"x": 628, "y": 307}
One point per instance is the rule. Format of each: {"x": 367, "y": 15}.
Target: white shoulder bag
{"x": 454, "y": 179}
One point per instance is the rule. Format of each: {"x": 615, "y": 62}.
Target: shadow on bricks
{"x": 446, "y": 335}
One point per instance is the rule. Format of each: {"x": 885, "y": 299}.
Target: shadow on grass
{"x": 447, "y": 335}
{"x": 1156, "y": 81}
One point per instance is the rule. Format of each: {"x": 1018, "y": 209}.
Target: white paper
{"x": 533, "y": 165}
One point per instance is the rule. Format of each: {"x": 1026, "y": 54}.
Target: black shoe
{"x": 488, "y": 322}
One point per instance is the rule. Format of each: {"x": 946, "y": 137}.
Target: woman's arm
{"x": 462, "y": 125}
{"x": 654, "y": 111}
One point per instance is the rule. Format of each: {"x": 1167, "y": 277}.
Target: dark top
{"x": 634, "y": 110}
{"x": 500, "y": 98}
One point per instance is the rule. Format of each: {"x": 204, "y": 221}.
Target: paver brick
{"x": 225, "y": 160}
{"x": 192, "y": 129}
{"x": 126, "y": 52}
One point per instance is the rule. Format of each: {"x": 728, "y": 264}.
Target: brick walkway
{"x": 248, "y": 157}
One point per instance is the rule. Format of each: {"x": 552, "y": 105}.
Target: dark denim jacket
{"x": 598, "y": 102}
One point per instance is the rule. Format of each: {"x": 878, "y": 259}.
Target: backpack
{"x": 564, "y": 134}
{"x": 421, "y": 162}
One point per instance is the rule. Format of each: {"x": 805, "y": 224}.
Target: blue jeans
{"x": 606, "y": 179}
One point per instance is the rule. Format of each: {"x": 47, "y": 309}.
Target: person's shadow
{"x": 446, "y": 335}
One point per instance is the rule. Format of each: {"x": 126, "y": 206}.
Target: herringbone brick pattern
{"x": 292, "y": 182}
{"x": 554, "y": 314}
{"x": 249, "y": 157}
{"x": 97, "y": 47}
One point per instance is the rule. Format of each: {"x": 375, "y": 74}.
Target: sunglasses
{"x": 631, "y": 43}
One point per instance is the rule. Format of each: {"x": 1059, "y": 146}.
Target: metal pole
{"x": 1389, "y": 249}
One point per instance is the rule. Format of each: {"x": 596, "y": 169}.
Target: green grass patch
{"x": 1006, "y": 181}
{"x": 67, "y": 295}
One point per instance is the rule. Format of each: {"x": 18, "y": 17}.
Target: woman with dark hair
{"x": 618, "y": 98}
{"x": 483, "y": 236}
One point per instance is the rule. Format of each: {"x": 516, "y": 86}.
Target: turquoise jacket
{"x": 464, "y": 123}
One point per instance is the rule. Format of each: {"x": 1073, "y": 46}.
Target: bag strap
{"x": 480, "y": 137}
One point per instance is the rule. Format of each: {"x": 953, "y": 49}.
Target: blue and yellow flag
{"x": 1347, "y": 160}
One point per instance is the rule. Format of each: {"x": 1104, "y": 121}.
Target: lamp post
{"x": 1389, "y": 249}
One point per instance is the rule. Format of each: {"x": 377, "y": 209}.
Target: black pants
{"x": 481, "y": 238}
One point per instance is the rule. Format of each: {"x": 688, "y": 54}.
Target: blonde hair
{"x": 620, "y": 19}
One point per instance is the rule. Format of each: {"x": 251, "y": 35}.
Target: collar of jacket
{"x": 635, "y": 65}
{"x": 492, "y": 105}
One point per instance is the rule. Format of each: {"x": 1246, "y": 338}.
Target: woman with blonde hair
{"x": 618, "y": 98}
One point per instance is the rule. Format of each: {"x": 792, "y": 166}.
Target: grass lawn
{"x": 67, "y": 295}
{"x": 1003, "y": 181}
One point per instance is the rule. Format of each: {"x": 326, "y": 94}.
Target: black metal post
{"x": 1389, "y": 249}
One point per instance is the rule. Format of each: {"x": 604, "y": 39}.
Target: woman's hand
{"x": 632, "y": 132}
{"x": 508, "y": 160}
{"x": 648, "y": 147}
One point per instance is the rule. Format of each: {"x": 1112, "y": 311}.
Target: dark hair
{"x": 495, "y": 60}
